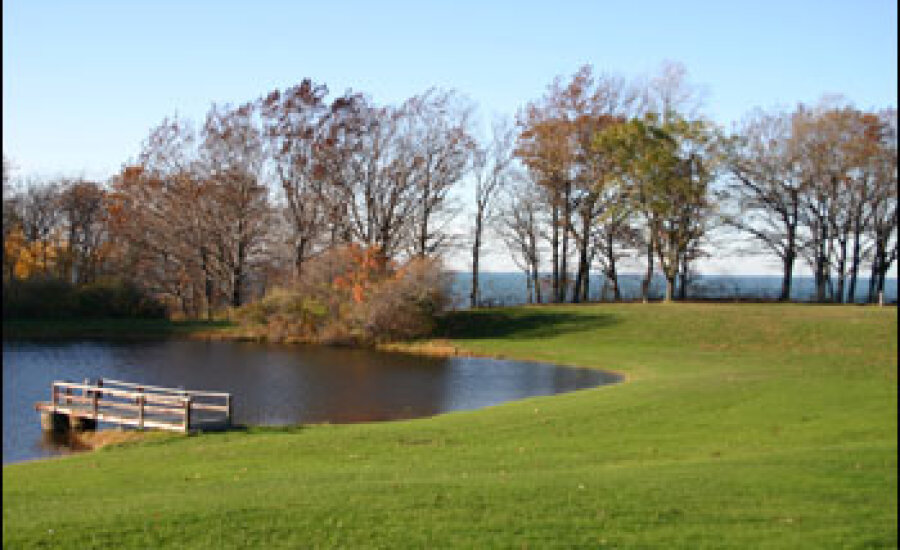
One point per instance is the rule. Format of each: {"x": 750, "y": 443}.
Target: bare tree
{"x": 298, "y": 126}
{"x": 520, "y": 221}
{"x": 232, "y": 154}
{"x": 491, "y": 172}
{"x": 883, "y": 216}
{"x": 83, "y": 206}
{"x": 435, "y": 127}
{"x": 766, "y": 187}
{"x": 369, "y": 173}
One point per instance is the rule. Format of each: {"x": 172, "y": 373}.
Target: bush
{"x": 47, "y": 298}
{"x": 38, "y": 297}
{"x": 405, "y": 306}
{"x": 283, "y": 313}
{"x": 349, "y": 296}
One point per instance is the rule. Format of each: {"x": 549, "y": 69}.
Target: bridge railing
{"x": 140, "y": 405}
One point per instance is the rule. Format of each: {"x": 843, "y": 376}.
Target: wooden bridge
{"x": 82, "y": 406}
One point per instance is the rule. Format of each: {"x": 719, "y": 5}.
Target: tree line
{"x": 598, "y": 170}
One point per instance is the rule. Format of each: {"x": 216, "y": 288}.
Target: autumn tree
{"x": 301, "y": 130}
{"x": 159, "y": 206}
{"x": 41, "y": 223}
{"x": 882, "y": 219}
{"x": 545, "y": 148}
{"x": 666, "y": 168}
{"x": 231, "y": 153}
{"x": 369, "y": 173}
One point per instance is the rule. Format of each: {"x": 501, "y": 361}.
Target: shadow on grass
{"x": 518, "y": 324}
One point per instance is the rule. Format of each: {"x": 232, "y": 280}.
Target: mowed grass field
{"x": 741, "y": 426}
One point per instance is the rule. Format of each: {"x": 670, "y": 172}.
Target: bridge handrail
{"x": 122, "y": 393}
{"x": 163, "y": 389}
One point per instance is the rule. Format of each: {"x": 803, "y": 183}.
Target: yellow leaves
{"x": 29, "y": 258}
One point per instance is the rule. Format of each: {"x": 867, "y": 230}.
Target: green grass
{"x": 743, "y": 426}
{"x": 105, "y": 328}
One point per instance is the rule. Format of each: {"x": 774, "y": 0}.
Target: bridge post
{"x": 140, "y": 400}
{"x": 96, "y": 403}
{"x": 230, "y": 413}
{"x": 187, "y": 414}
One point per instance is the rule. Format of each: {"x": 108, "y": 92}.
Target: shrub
{"x": 38, "y": 297}
{"x": 47, "y": 298}
{"x": 284, "y": 313}
{"x": 405, "y": 306}
{"x": 350, "y": 296}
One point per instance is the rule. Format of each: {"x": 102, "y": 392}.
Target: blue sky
{"x": 83, "y": 82}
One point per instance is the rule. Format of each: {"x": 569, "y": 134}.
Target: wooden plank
{"x": 134, "y": 394}
{"x": 161, "y": 388}
{"x": 149, "y": 409}
{"x": 115, "y": 419}
{"x": 119, "y": 393}
{"x": 205, "y": 407}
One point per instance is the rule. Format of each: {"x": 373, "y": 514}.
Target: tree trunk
{"x": 567, "y": 221}
{"x": 238, "y": 276}
{"x": 536, "y": 280}
{"x": 476, "y": 250}
{"x": 788, "y": 266}
{"x": 533, "y": 259}
{"x": 873, "y": 277}
{"x": 842, "y": 267}
{"x": 670, "y": 287}
{"x": 208, "y": 291}
{"x": 300, "y": 256}
{"x": 855, "y": 258}
{"x": 820, "y": 266}
{"x": 581, "y": 278}
{"x": 555, "y": 246}
{"x": 528, "y": 286}
{"x": 611, "y": 273}
{"x": 645, "y": 284}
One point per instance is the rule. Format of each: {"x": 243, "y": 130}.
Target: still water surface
{"x": 272, "y": 384}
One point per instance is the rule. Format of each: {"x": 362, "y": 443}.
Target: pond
{"x": 272, "y": 384}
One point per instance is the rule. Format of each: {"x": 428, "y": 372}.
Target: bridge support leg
{"x": 54, "y": 422}
{"x": 81, "y": 424}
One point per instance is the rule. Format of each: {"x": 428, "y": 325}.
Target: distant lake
{"x": 510, "y": 288}
{"x": 272, "y": 384}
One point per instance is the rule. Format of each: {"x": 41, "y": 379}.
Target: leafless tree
{"x": 82, "y": 204}
{"x": 298, "y": 126}
{"x": 519, "y": 225}
{"x": 766, "y": 187}
{"x": 435, "y": 127}
{"x": 231, "y": 152}
{"x": 492, "y": 171}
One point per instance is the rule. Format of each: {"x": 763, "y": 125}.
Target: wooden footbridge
{"x": 82, "y": 406}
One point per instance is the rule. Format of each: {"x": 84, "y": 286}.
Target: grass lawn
{"x": 740, "y": 426}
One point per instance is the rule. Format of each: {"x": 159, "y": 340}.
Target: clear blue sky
{"x": 83, "y": 82}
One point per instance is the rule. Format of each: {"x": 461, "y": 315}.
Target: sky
{"x": 83, "y": 82}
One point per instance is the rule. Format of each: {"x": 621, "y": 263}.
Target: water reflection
{"x": 271, "y": 384}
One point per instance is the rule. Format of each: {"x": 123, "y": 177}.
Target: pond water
{"x": 272, "y": 384}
